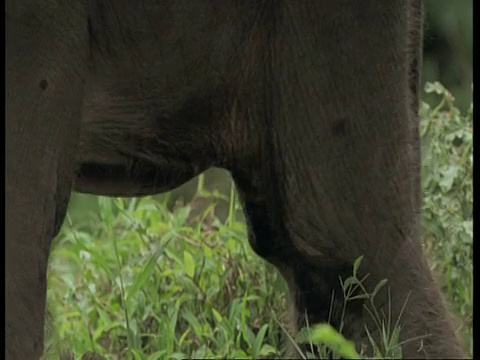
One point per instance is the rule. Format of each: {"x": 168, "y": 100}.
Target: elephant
{"x": 310, "y": 105}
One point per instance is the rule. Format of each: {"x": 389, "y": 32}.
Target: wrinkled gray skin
{"x": 309, "y": 104}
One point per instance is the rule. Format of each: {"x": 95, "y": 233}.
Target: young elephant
{"x": 311, "y": 105}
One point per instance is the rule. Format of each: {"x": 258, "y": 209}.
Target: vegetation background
{"x": 172, "y": 276}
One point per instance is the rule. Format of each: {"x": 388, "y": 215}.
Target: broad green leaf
{"x": 257, "y": 344}
{"x": 267, "y": 350}
{"x": 217, "y": 315}
{"x": 189, "y": 264}
{"x": 448, "y": 177}
{"x": 435, "y": 87}
{"x": 327, "y": 335}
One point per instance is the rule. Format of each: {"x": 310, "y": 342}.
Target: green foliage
{"x": 327, "y": 335}
{"x": 143, "y": 283}
{"x": 447, "y": 175}
{"x": 136, "y": 281}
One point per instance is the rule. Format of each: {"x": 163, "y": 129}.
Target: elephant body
{"x": 310, "y": 105}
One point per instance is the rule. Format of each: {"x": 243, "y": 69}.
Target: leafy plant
{"x": 447, "y": 174}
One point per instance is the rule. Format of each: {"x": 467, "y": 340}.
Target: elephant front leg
{"x": 46, "y": 50}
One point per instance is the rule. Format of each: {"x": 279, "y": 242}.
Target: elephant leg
{"x": 316, "y": 293}
{"x": 315, "y": 290}
{"x": 46, "y": 54}
{"x": 337, "y": 168}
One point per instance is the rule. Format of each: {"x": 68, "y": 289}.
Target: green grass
{"x": 136, "y": 281}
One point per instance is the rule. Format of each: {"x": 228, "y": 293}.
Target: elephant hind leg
{"x": 313, "y": 272}
{"x": 315, "y": 286}
{"x": 317, "y": 296}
